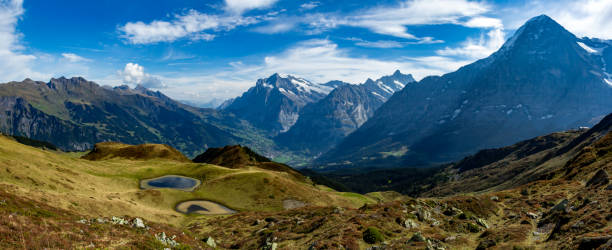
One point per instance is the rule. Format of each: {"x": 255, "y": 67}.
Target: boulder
{"x": 410, "y": 224}
{"x": 482, "y": 222}
{"x": 138, "y": 223}
{"x": 423, "y": 214}
{"x": 532, "y": 215}
{"x": 599, "y": 179}
{"x": 211, "y": 242}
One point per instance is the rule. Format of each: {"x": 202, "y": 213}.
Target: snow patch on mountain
{"x": 589, "y": 49}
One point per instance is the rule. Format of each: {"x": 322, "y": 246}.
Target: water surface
{"x": 171, "y": 181}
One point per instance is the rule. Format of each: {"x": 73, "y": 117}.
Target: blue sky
{"x": 199, "y": 50}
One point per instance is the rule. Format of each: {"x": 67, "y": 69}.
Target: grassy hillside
{"x": 111, "y": 187}
{"x": 50, "y": 193}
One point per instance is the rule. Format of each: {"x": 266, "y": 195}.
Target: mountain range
{"x": 321, "y": 125}
{"x": 274, "y": 103}
{"x": 543, "y": 79}
{"x": 75, "y": 113}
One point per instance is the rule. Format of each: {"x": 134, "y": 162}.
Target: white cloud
{"x": 276, "y": 27}
{"x": 385, "y": 44}
{"x": 590, "y": 18}
{"x": 239, "y": 6}
{"x": 14, "y": 65}
{"x": 74, "y": 58}
{"x": 318, "y": 60}
{"x": 477, "y": 49}
{"x": 133, "y": 74}
{"x": 191, "y": 25}
{"x": 309, "y": 5}
{"x": 392, "y": 20}
{"x": 484, "y": 22}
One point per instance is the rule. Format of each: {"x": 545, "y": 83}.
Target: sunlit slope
{"x": 111, "y": 187}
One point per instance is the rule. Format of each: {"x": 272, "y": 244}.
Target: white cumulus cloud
{"x": 133, "y": 74}
{"x": 477, "y": 48}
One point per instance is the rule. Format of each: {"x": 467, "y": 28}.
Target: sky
{"x": 201, "y": 50}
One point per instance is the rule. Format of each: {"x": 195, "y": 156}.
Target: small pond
{"x": 171, "y": 181}
{"x": 203, "y": 207}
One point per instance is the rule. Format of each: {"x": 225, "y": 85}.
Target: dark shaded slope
{"x": 237, "y": 156}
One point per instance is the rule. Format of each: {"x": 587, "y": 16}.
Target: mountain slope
{"x": 542, "y": 80}
{"x": 323, "y": 124}
{"x": 75, "y": 113}
{"x": 237, "y": 156}
{"x": 275, "y": 102}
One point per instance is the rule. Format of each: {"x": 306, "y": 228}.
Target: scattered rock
{"x": 119, "y": 221}
{"x": 435, "y": 223}
{"x": 211, "y": 242}
{"x": 599, "y": 179}
{"x": 494, "y": 198}
{"x": 482, "y": 222}
{"x": 101, "y": 220}
{"x": 83, "y": 221}
{"x": 423, "y": 214}
{"x": 532, "y": 215}
{"x": 450, "y": 238}
{"x": 410, "y": 224}
{"x": 432, "y": 245}
{"x": 536, "y": 233}
{"x": 417, "y": 237}
{"x": 138, "y": 223}
{"x": 168, "y": 241}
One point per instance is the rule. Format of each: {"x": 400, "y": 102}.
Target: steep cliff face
{"x": 18, "y": 117}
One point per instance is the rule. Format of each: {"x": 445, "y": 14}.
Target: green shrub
{"x": 372, "y": 235}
